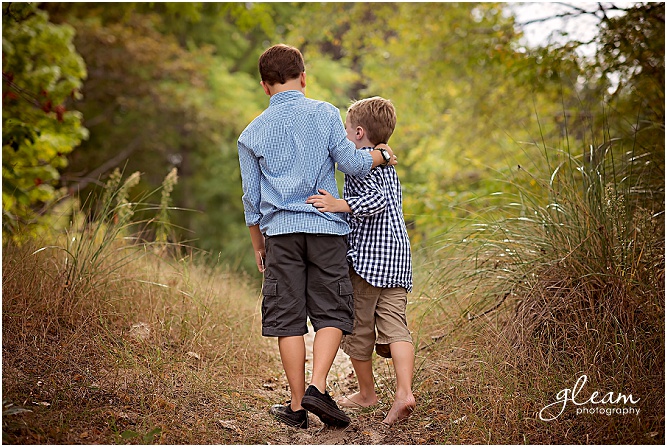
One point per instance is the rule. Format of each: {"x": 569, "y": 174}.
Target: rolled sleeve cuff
{"x": 368, "y": 163}
{"x": 252, "y": 219}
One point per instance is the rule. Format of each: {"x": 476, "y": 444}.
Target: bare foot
{"x": 356, "y": 401}
{"x": 400, "y": 410}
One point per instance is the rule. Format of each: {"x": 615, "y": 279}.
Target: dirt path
{"x": 366, "y": 427}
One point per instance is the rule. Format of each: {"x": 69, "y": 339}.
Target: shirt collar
{"x": 288, "y": 95}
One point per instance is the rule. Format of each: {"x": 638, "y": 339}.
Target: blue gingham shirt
{"x": 286, "y": 154}
{"x": 378, "y": 243}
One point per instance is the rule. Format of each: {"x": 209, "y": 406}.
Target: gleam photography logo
{"x": 608, "y": 404}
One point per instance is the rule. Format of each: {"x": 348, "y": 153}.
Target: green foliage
{"x": 632, "y": 48}
{"x": 236, "y": 31}
{"x": 460, "y": 87}
{"x": 191, "y": 103}
{"x": 147, "y": 438}
{"x": 42, "y": 73}
{"x": 172, "y": 85}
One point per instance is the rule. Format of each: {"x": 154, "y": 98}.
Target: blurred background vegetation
{"x": 89, "y": 88}
{"x": 533, "y": 180}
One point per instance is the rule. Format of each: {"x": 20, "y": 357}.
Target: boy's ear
{"x": 359, "y": 133}
{"x": 303, "y": 79}
{"x": 265, "y": 86}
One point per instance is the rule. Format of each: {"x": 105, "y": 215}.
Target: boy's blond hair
{"x": 376, "y": 116}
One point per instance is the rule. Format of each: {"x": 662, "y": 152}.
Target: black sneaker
{"x": 284, "y": 414}
{"x": 324, "y": 407}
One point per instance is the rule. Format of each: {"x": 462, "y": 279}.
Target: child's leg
{"x": 325, "y": 347}
{"x": 329, "y": 300}
{"x": 293, "y": 356}
{"x": 366, "y": 396}
{"x": 359, "y": 345}
{"x": 403, "y": 356}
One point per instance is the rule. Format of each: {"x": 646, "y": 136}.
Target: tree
{"x": 632, "y": 50}
{"x": 42, "y": 74}
{"x": 464, "y": 90}
{"x": 162, "y": 91}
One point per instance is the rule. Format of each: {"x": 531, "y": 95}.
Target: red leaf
{"x": 60, "y": 111}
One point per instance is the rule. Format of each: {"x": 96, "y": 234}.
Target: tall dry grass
{"x": 567, "y": 280}
{"x": 109, "y": 340}
{"x": 165, "y": 347}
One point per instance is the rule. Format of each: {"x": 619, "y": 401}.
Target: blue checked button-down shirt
{"x": 286, "y": 154}
{"x": 378, "y": 243}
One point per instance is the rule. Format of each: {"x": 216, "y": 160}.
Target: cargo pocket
{"x": 346, "y": 292}
{"x": 270, "y": 293}
{"x": 270, "y": 287}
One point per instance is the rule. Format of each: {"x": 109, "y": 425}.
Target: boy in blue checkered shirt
{"x": 286, "y": 154}
{"x": 379, "y": 254}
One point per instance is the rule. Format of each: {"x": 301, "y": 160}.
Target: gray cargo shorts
{"x": 306, "y": 276}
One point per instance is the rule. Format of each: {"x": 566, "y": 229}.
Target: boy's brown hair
{"x": 376, "y": 116}
{"x": 280, "y": 63}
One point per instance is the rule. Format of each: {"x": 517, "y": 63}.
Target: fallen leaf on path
{"x": 459, "y": 420}
{"x": 162, "y": 403}
{"x": 129, "y": 417}
{"x": 140, "y": 330}
{"x": 229, "y": 425}
{"x": 10, "y": 410}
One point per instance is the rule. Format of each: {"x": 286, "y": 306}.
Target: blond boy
{"x": 379, "y": 253}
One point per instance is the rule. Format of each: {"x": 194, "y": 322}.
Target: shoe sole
{"x": 328, "y": 415}
{"x": 287, "y": 421}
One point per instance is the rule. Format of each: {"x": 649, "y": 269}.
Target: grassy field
{"x": 541, "y": 322}
{"x": 165, "y": 350}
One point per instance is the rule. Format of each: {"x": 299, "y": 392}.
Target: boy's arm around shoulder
{"x": 351, "y": 161}
{"x": 378, "y": 158}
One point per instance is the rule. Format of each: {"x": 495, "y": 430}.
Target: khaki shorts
{"x": 376, "y": 308}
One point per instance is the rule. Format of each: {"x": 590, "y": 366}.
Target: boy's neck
{"x": 364, "y": 143}
{"x": 298, "y": 84}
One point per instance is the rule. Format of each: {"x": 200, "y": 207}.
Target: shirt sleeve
{"x": 370, "y": 198}
{"x": 350, "y": 160}
{"x": 250, "y": 179}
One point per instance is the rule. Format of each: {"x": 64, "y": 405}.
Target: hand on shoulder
{"x": 393, "y": 159}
